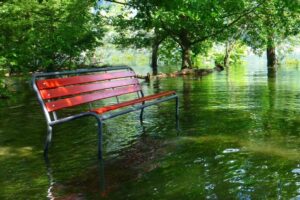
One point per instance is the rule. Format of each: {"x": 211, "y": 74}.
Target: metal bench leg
{"x": 102, "y": 178}
{"x": 100, "y": 130}
{"x": 177, "y": 114}
{"x": 141, "y": 116}
{"x": 48, "y": 140}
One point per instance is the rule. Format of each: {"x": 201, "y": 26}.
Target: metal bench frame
{"x": 99, "y": 118}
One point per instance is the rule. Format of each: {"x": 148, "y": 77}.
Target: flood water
{"x": 239, "y": 139}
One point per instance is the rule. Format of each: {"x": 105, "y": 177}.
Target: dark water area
{"x": 239, "y": 139}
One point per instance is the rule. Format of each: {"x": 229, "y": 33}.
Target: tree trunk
{"x": 271, "y": 56}
{"x": 186, "y": 57}
{"x": 228, "y": 50}
{"x": 226, "y": 58}
{"x": 155, "y": 47}
{"x": 154, "y": 58}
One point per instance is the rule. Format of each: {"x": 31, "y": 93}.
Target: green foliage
{"x": 109, "y": 54}
{"x": 204, "y": 61}
{"x": 4, "y": 93}
{"x": 236, "y": 55}
{"x": 272, "y": 23}
{"x": 190, "y": 23}
{"x": 131, "y": 31}
{"x": 169, "y": 52}
{"x": 49, "y": 35}
{"x": 287, "y": 46}
{"x": 216, "y": 55}
{"x": 292, "y": 62}
{"x": 57, "y": 34}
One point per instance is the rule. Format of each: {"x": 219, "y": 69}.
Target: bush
{"x": 4, "y": 93}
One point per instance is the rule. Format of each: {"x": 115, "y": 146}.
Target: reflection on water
{"x": 239, "y": 139}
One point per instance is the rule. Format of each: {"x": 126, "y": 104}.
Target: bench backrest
{"x": 83, "y": 86}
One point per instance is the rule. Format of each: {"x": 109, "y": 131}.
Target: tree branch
{"x": 118, "y": 2}
{"x": 172, "y": 34}
{"x": 227, "y": 26}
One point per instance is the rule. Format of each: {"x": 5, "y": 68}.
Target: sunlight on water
{"x": 265, "y": 147}
{"x": 18, "y": 152}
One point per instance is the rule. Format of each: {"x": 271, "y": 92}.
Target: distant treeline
{"x": 50, "y": 35}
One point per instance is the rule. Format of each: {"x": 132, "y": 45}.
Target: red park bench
{"x": 58, "y": 91}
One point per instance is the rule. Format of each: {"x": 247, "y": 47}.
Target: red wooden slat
{"x": 78, "y": 100}
{"x": 78, "y": 89}
{"x": 59, "y": 82}
{"x": 132, "y": 102}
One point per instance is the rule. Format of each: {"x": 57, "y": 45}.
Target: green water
{"x": 239, "y": 139}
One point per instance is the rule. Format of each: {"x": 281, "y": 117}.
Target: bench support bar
{"x": 99, "y": 123}
{"x": 48, "y": 139}
{"x": 100, "y": 130}
{"x": 177, "y": 114}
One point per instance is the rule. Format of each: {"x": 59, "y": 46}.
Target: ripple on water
{"x": 231, "y": 150}
{"x": 296, "y": 198}
{"x": 239, "y": 171}
{"x": 296, "y": 171}
{"x": 199, "y": 160}
{"x": 210, "y": 186}
{"x": 219, "y": 156}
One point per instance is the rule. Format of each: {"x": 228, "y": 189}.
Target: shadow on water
{"x": 56, "y": 190}
{"x": 102, "y": 178}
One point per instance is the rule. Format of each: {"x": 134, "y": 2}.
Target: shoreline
{"x": 185, "y": 72}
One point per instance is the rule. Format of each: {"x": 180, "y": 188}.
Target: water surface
{"x": 239, "y": 139}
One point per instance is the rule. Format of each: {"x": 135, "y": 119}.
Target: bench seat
{"x": 132, "y": 102}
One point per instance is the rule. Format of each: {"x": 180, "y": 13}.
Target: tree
{"x": 191, "y": 22}
{"x": 271, "y": 24}
{"x": 47, "y": 35}
{"x": 231, "y": 43}
{"x": 136, "y": 33}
